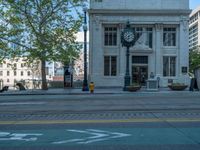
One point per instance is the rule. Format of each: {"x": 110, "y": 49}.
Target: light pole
{"x": 85, "y": 82}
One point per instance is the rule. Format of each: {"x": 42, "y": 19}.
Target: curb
{"x": 142, "y": 93}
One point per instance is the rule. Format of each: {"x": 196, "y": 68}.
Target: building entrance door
{"x": 139, "y": 74}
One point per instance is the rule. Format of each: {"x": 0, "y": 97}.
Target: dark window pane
{"x": 174, "y": 39}
{"x": 169, "y": 36}
{"x": 110, "y": 36}
{"x": 169, "y": 66}
{"x": 110, "y": 39}
{"x": 172, "y": 66}
{"x": 113, "y": 66}
{"x": 106, "y": 65}
{"x": 150, "y": 40}
{"x": 165, "y": 66}
{"x": 115, "y": 39}
{"x": 140, "y": 59}
{"x": 106, "y": 38}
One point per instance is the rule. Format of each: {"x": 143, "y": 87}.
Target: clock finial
{"x": 128, "y": 24}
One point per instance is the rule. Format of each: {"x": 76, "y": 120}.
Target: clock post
{"x": 128, "y": 40}
{"x": 127, "y": 77}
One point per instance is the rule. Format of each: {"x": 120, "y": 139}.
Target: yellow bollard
{"x": 91, "y": 86}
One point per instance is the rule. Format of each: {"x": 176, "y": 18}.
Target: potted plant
{"x": 177, "y": 86}
{"x": 134, "y": 87}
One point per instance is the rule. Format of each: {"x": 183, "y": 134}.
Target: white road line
{"x": 94, "y": 136}
{"x": 22, "y": 103}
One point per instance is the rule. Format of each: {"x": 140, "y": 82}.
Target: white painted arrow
{"x": 97, "y": 136}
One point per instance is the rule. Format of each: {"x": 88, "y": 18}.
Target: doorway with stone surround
{"x": 139, "y": 70}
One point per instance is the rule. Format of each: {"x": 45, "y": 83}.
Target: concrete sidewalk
{"x": 78, "y": 91}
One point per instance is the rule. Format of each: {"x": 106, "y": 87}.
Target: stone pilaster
{"x": 158, "y": 49}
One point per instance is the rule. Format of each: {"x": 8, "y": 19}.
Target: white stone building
{"x": 17, "y": 70}
{"x": 162, "y": 47}
{"x": 194, "y": 28}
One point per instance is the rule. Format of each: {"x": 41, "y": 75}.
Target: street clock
{"x": 128, "y": 36}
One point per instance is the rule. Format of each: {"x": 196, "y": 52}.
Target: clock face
{"x": 128, "y": 36}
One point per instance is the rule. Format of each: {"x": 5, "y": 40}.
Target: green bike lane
{"x": 127, "y": 134}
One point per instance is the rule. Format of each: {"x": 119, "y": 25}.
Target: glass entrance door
{"x": 139, "y": 74}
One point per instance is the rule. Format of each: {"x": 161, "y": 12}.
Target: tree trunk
{"x": 44, "y": 81}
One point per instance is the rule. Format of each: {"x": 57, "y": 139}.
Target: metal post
{"x": 127, "y": 75}
{"x": 85, "y": 82}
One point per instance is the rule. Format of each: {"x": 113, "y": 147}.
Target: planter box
{"x": 133, "y": 88}
{"x": 177, "y": 87}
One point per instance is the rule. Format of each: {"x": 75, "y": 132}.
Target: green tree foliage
{"x": 41, "y": 30}
{"x": 194, "y": 58}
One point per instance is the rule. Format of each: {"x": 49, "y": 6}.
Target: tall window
{"x": 22, "y": 73}
{"x": 15, "y": 73}
{"x": 147, "y": 33}
{"x": 169, "y": 37}
{"x": 169, "y": 66}
{"x": 8, "y": 73}
{"x": 1, "y": 73}
{"x": 110, "y": 66}
{"x": 110, "y": 36}
{"x": 1, "y": 65}
{"x": 28, "y": 73}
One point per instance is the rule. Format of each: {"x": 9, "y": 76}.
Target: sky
{"x": 194, "y": 4}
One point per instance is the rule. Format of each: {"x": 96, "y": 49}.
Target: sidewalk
{"x": 78, "y": 91}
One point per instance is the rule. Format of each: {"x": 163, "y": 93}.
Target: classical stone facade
{"x": 161, "y": 49}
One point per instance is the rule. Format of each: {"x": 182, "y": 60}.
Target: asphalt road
{"x": 106, "y": 136}
{"x": 100, "y": 122}
{"x": 100, "y": 102}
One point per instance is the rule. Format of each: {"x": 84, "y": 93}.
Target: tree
{"x": 194, "y": 58}
{"x": 42, "y": 30}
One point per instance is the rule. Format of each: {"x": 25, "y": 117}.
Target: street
{"x": 100, "y": 122}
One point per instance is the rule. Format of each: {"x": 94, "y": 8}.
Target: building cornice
{"x": 139, "y": 12}
{"x": 195, "y": 11}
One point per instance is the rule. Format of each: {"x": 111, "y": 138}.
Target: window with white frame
{"x": 169, "y": 36}
{"x": 110, "y": 65}
{"x": 1, "y": 73}
{"x": 110, "y": 36}
{"x": 169, "y": 66}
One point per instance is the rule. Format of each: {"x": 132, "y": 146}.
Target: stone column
{"x": 158, "y": 50}
{"x": 96, "y": 50}
{"x": 183, "y": 54}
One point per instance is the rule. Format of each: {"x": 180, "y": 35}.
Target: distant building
{"x": 57, "y": 70}
{"x": 194, "y": 29}
{"x": 162, "y": 47}
{"x": 17, "y": 70}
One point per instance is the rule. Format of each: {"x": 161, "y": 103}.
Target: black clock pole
{"x": 127, "y": 77}
{"x": 128, "y": 40}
